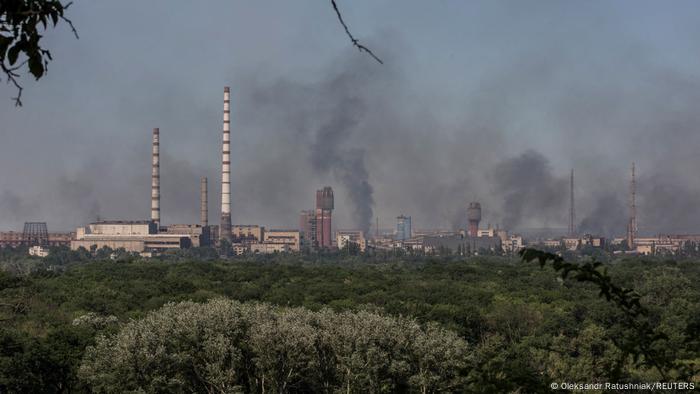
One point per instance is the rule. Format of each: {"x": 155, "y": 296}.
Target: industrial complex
{"x": 316, "y": 230}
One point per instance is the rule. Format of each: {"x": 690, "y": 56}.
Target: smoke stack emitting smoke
{"x": 155, "y": 177}
{"x": 225, "y": 230}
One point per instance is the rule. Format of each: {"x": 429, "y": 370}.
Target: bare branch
{"x": 354, "y": 41}
{"x": 68, "y": 21}
{"x": 12, "y": 78}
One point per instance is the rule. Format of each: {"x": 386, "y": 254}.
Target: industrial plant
{"x": 316, "y": 231}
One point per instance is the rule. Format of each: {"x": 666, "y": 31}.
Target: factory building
{"x": 307, "y": 228}
{"x": 403, "y": 228}
{"x": 14, "y": 239}
{"x": 344, "y": 238}
{"x": 464, "y": 245}
{"x": 471, "y": 241}
{"x": 199, "y": 235}
{"x": 255, "y": 239}
{"x": 247, "y": 233}
{"x": 268, "y": 248}
{"x": 487, "y": 232}
{"x": 511, "y": 243}
{"x": 133, "y": 236}
{"x": 290, "y": 238}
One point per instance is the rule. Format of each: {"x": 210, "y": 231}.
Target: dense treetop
{"x": 521, "y": 326}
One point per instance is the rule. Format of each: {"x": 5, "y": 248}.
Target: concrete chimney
{"x": 155, "y": 178}
{"x": 204, "y": 203}
{"x": 225, "y": 229}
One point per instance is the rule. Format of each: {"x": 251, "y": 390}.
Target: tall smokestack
{"x": 225, "y": 229}
{"x": 204, "y": 203}
{"x": 155, "y": 178}
{"x": 473, "y": 217}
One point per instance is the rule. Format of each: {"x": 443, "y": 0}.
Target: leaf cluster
{"x": 640, "y": 343}
{"x": 21, "y": 25}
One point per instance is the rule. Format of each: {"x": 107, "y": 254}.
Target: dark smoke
{"x": 325, "y": 124}
{"x": 16, "y": 209}
{"x": 78, "y": 197}
{"x": 329, "y": 154}
{"x": 667, "y": 206}
{"x": 532, "y": 195}
{"x": 422, "y": 135}
{"x": 608, "y": 218}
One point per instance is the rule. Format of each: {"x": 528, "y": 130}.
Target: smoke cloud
{"x": 532, "y": 194}
{"x": 497, "y": 108}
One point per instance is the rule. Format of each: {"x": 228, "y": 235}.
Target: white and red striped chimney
{"x": 155, "y": 178}
{"x": 225, "y": 229}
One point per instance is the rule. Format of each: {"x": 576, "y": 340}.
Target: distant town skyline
{"x": 491, "y": 101}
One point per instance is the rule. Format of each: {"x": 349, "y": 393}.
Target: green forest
{"x": 192, "y": 322}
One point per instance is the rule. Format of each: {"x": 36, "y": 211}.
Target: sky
{"x": 489, "y": 101}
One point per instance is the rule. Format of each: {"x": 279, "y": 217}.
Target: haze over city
{"x": 481, "y": 101}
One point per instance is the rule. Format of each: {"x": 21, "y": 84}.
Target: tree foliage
{"x": 225, "y": 346}
{"x": 641, "y": 339}
{"x": 22, "y": 23}
{"x": 525, "y": 327}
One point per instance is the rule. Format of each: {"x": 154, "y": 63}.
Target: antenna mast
{"x": 572, "y": 212}
{"x": 632, "y": 227}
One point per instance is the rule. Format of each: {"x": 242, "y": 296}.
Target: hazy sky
{"x": 493, "y": 101}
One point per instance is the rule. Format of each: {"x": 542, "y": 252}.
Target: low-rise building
{"x": 266, "y": 248}
{"x": 512, "y": 244}
{"x": 240, "y": 249}
{"x": 486, "y": 232}
{"x": 247, "y": 233}
{"x": 291, "y": 238}
{"x": 16, "y": 238}
{"x": 571, "y": 243}
{"x": 198, "y": 235}
{"x": 133, "y": 236}
{"x": 646, "y": 249}
{"x": 344, "y": 238}
{"x": 551, "y": 243}
{"x": 38, "y": 251}
{"x": 461, "y": 244}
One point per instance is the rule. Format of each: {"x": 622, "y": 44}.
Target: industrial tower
{"x": 324, "y": 210}
{"x": 35, "y": 234}
{"x": 203, "y": 202}
{"x": 473, "y": 218}
{"x": 572, "y": 211}
{"x": 225, "y": 229}
{"x": 632, "y": 226}
{"x": 155, "y": 178}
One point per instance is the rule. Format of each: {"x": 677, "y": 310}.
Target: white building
{"x": 38, "y": 251}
